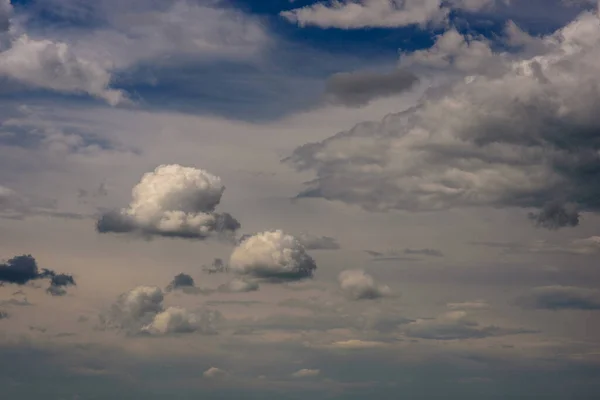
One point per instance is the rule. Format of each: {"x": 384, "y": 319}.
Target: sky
{"x": 275, "y": 199}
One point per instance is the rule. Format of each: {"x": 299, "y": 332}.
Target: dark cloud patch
{"x": 561, "y": 298}
{"x": 555, "y": 216}
{"x": 21, "y": 270}
{"x": 3, "y": 315}
{"x": 424, "y": 252}
{"x": 218, "y": 266}
{"x": 359, "y": 88}
{"x": 186, "y": 284}
{"x": 388, "y": 256}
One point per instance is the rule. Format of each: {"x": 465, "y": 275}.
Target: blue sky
{"x": 276, "y": 199}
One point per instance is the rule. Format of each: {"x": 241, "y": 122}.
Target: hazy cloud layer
{"x": 359, "y": 88}
{"x": 561, "y": 298}
{"x": 313, "y": 242}
{"x": 173, "y": 201}
{"x": 522, "y": 138}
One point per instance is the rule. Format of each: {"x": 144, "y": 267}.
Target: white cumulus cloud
{"x": 306, "y": 373}
{"x": 359, "y": 285}
{"x": 173, "y": 201}
{"x": 272, "y": 255}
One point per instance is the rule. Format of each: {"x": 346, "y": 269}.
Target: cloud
{"x": 141, "y": 311}
{"x": 520, "y": 138}
{"x": 217, "y": 267}
{"x": 312, "y": 242}
{"x": 53, "y": 66}
{"x": 21, "y": 270}
{"x": 359, "y": 285}
{"x": 215, "y": 373}
{"x": 306, "y": 373}
{"x": 239, "y": 286}
{"x": 424, "y": 252}
{"x": 173, "y": 201}
{"x": 453, "y": 325}
{"x": 6, "y": 10}
{"x": 555, "y": 216}
{"x": 368, "y": 13}
{"x": 389, "y": 255}
{"x": 58, "y": 283}
{"x": 3, "y": 315}
{"x": 561, "y": 298}
{"x": 468, "y": 305}
{"x": 12, "y": 205}
{"x": 272, "y": 256}
{"x": 186, "y": 284}
{"x": 359, "y": 88}
{"x": 356, "y": 344}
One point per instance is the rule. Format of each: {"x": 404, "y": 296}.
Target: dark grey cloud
{"x": 424, "y": 252}
{"x": 21, "y": 270}
{"x": 555, "y": 216}
{"x": 3, "y": 315}
{"x": 173, "y": 201}
{"x": 360, "y": 87}
{"x": 561, "y": 298}
{"x": 218, "y": 266}
{"x": 186, "y": 284}
{"x": 471, "y": 144}
{"x": 388, "y": 256}
{"x": 313, "y": 242}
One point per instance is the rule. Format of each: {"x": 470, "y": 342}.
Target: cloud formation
{"x": 141, "y": 311}
{"x": 561, "y": 298}
{"x": 453, "y": 325}
{"x": 359, "y": 88}
{"x": 424, "y": 252}
{"x": 272, "y": 256}
{"x": 313, "y": 242}
{"x": 358, "y": 285}
{"x": 239, "y": 286}
{"x": 173, "y": 201}
{"x": 522, "y": 138}
{"x": 215, "y": 373}
{"x": 306, "y": 373}
{"x": 21, "y": 270}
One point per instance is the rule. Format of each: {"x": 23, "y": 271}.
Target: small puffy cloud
{"x": 346, "y": 14}
{"x": 54, "y": 66}
{"x": 359, "y": 285}
{"x": 306, "y": 373}
{"x": 216, "y": 267}
{"x": 272, "y": 256}
{"x": 215, "y": 373}
{"x": 424, "y": 252}
{"x": 517, "y": 135}
{"x": 313, "y": 242}
{"x": 58, "y": 283}
{"x": 453, "y": 325}
{"x": 173, "y": 201}
{"x": 21, "y": 270}
{"x": 239, "y": 286}
{"x": 141, "y": 311}
{"x": 359, "y": 88}
{"x": 561, "y": 298}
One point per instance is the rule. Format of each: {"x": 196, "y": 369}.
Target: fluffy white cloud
{"x": 172, "y": 320}
{"x": 306, "y": 373}
{"x": 272, "y": 255}
{"x": 173, "y": 201}
{"x": 524, "y": 137}
{"x": 54, "y": 66}
{"x": 359, "y": 285}
{"x": 239, "y": 286}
